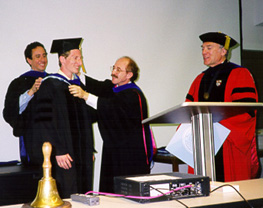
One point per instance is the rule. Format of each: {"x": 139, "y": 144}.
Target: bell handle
{"x": 47, "y": 148}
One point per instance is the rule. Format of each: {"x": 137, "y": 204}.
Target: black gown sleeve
{"x": 11, "y": 107}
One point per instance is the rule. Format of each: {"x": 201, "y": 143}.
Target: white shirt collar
{"x": 64, "y": 75}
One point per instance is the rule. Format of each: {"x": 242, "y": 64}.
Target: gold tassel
{"x": 227, "y": 43}
{"x": 82, "y": 66}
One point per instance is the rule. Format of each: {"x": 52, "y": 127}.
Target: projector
{"x": 162, "y": 186}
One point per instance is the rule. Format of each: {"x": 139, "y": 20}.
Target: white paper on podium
{"x": 181, "y": 143}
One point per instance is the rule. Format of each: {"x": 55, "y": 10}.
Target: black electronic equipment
{"x": 168, "y": 186}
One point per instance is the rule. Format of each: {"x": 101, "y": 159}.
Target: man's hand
{"x": 64, "y": 161}
{"x": 77, "y": 91}
{"x": 35, "y": 86}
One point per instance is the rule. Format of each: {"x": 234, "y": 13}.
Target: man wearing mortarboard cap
{"x": 224, "y": 81}
{"x": 65, "y": 121}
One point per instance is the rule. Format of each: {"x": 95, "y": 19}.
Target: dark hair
{"x": 65, "y": 55}
{"x": 132, "y": 67}
{"x": 30, "y": 47}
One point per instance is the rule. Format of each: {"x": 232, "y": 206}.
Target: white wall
{"x": 252, "y": 18}
{"x": 161, "y": 35}
{"x": 258, "y": 14}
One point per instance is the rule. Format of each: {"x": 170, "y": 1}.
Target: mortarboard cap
{"x": 218, "y": 37}
{"x": 61, "y": 46}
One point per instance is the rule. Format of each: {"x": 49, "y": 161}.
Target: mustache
{"x": 113, "y": 75}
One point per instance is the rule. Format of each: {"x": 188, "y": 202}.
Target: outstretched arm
{"x": 77, "y": 91}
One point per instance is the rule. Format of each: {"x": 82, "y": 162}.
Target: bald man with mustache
{"x": 121, "y": 106}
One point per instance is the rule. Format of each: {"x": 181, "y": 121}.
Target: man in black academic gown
{"x": 65, "y": 122}
{"x": 121, "y": 106}
{"x": 21, "y": 91}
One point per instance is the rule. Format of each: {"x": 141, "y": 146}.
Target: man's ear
{"x": 224, "y": 51}
{"x": 29, "y": 61}
{"x": 62, "y": 59}
{"x": 129, "y": 75}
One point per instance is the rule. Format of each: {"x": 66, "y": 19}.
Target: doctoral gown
{"x": 127, "y": 143}
{"x": 228, "y": 82}
{"x": 16, "y": 88}
{"x": 65, "y": 122}
{"x": 11, "y": 109}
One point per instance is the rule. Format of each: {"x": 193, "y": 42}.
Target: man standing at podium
{"x": 224, "y": 81}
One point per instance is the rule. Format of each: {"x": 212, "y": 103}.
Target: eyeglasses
{"x": 118, "y": 69}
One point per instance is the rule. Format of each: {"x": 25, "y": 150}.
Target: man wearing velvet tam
{"x": 64, "y": 121}
{"x": 224, "y": 81}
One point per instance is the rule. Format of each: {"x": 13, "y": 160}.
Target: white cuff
{"x": 92, "y": 101}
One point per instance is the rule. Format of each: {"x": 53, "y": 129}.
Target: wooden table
{"x": 250, "y": 189}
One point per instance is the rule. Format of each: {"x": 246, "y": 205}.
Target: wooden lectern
{"x": 202, "y": 115}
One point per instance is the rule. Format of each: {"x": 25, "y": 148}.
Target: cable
{"x": 236, "y": 191}
{"x": 168, "y": 197}
{"x": 158, "y": 190}
{"x": 165, "y": 194}
{"x": 138, "y": 197}
{"x": 181, "y": 203}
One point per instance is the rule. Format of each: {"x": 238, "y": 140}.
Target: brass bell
{"x": 47, "y": 193}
